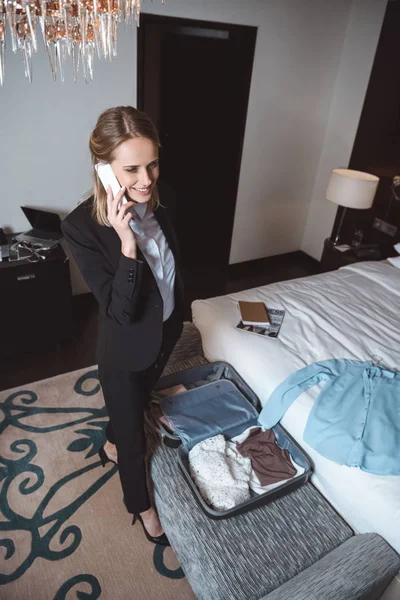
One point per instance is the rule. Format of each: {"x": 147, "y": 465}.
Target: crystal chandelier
{"x": 74, "y": 28}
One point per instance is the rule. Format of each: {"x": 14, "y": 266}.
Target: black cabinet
{"x": 36, "y": 303}
{"x": 332, "y": 258}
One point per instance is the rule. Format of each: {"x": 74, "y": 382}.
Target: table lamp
{"x": 351, "y": 189}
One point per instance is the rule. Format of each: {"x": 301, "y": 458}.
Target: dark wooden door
{"x": 193, "y": 81}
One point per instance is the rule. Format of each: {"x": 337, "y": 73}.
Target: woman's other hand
{"x": 119, "y": 216}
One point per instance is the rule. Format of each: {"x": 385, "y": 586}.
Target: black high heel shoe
{"x": 159, "y": 539}
{"x": 104, "y": 457}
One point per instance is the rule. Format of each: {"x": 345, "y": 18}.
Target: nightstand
{"x": 36, "y": 303}
{"x": 333, "y": 259}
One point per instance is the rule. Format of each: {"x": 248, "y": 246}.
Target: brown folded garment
{"x": 270, "y": 463}
{"x": 172, "y": 391}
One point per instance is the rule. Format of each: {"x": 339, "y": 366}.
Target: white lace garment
{"x": 221, "y": 475}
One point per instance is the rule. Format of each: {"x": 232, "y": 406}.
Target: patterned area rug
{"x": 64, "y": 531}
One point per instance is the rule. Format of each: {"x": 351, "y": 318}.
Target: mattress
{"x": 351, "y": 313}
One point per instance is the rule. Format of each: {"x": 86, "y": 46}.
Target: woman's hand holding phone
{"x": 119, "y": 216}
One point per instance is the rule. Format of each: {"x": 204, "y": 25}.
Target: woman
{"x": 127, "y": 254}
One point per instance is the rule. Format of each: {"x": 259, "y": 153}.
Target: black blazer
{"x": 131, "y": 306}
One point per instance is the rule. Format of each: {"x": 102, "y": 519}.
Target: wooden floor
{"x": 79, "y": 351}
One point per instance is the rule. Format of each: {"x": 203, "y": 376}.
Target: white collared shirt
{"x": 151, "y": 241}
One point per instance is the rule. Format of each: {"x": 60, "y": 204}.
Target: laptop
{"x": 46, "y": 227}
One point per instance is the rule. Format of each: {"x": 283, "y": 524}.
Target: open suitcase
{"x": 218, "y": 401}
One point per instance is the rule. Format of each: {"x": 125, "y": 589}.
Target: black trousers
{"x": 126, "y": 395}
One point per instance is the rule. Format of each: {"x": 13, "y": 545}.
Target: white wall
{"x": 44, "y": 127}
{"x": 351, "y": 85}
{"x": 44, "y": 132}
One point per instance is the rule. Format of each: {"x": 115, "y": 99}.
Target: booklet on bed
{"x": 253, "y": 313}
{"x": 272, "y": 329}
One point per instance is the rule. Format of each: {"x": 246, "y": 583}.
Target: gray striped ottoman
{"x": 248, "y": 556}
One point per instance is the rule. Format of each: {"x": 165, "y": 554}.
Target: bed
{"x": 351, "y": 313}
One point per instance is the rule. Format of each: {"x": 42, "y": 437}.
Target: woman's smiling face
{"x": 136, "y": 167}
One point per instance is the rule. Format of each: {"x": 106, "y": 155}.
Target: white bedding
{"x": 350, "y": 313}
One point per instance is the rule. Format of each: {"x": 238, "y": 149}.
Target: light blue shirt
{"x": 355, "y": 419}
{"x": 151, "y": 241}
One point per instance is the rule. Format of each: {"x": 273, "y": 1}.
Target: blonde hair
{"x": 113, "y": 127}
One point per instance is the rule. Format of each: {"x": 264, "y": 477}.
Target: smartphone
{"x": 107, "y": 178}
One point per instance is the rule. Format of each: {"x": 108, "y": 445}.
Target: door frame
{"x": 250, "y": 32}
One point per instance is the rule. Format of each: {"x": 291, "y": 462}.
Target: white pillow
{"x": 395, "y": 261}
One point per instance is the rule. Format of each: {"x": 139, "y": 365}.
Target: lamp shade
{"x": 352, "y": 189}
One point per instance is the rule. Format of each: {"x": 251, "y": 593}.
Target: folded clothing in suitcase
{"x": 218, "y": 401}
